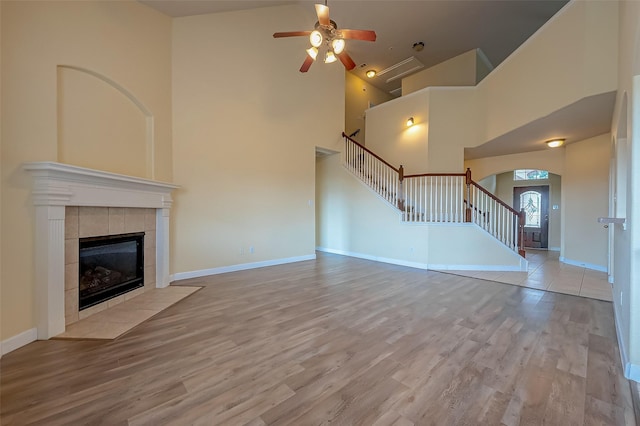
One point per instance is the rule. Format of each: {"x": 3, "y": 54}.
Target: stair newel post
{"x": 400, "y": 188}
{"x": 467, "y": 213}
{"x": 521, "y": 222}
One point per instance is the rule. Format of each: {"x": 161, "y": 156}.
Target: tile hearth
{"x": 119, "y": 319}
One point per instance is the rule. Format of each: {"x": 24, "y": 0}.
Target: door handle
{"x": 606, "y": 226}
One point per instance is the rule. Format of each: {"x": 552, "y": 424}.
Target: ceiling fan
{"x": 326, "y": 32}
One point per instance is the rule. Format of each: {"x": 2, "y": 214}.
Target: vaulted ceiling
{"x": 446, "y": 27}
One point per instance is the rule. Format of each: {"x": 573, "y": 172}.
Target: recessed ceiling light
{"x": 371, "y": 73}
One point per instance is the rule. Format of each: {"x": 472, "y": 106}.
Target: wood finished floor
{"x": 335, "y": 341}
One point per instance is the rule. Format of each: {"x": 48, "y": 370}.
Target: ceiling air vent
{"x": 401, "y": 69}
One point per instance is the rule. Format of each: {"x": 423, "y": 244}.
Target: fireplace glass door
{"x": 110, "y": 266}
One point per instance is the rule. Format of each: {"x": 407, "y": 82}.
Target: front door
{"x": 535, "y": 202}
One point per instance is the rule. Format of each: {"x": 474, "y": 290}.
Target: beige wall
{"x": 522, "y": 89}
{"x": 390, "y": 138}
{"x": 1, "y": 174}
{"x": 457, "y": 71}
{"x": 353, "y": 219}
{"x": 504, "y": 191}
{"x": 540, "y": 77}
{"x": 98, "y": 126}
{"x": 454, "y": 122}
{"x": 359, "y": 95}
{"x": 245, "y": 136}
{"x": 125, "y": 42}
{"x": 586, "y": 197}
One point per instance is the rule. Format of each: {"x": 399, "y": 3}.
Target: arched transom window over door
{"x": 530, "y": 202}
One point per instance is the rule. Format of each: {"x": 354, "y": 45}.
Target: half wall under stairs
{"x": 356, "y": 220}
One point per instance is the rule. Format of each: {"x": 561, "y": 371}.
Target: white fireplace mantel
{"x": 56, "y": 186}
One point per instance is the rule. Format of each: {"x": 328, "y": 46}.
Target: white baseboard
{"x": 583, "y": 264}
{"x": 375, "y": 258}
{"x": 419, "y": 265}
{"x": 18, "y": 341}
{"x": 240, "y": 267}
{"x": 553, "y": 249}
{"x": 480, "y": 268}
{"x": 631, "y": 371}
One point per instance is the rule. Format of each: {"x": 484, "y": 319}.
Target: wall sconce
{"x": 554, "y": 143}
{"x": 410, "y": 122}
{"x": 371, "y": 73}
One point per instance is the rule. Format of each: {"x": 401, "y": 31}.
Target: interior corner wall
{"x": 246, "y": 123}
{"x": 483, "y": 65}
{"x": 360, "y": 95}
{"x": 124, "y": 41}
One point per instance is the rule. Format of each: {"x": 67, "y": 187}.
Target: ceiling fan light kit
{"x": 313, "y": 52}
{"x": 315, "y": 38}
{"x": 326, "y": 33}
{"x": 338, "y": 45}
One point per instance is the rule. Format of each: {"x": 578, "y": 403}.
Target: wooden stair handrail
{"x": 496, "y": 199}
{"x": 468, "y": 183}
{"x": 369, "y": 151}
{"x": 434, "y": 175}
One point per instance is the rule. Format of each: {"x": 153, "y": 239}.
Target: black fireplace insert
{"x": 110, "y": 266}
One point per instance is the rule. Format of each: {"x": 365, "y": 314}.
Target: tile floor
{"x": 546, "y": 272}
{"x": 117, "y": 320}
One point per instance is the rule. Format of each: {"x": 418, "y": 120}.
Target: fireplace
{"x": 110, "y": 266}
{"x": 113, "y": 199}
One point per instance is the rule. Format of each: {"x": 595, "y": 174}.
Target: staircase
{"x": 436, "y": 197}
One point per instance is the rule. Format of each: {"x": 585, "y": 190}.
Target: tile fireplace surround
{"x": 58, "y": 186}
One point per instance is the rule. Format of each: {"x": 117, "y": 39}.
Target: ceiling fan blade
{"x": 291, "y": 34}
{"x": 323, "y": 14}
{"x": 366, "y": 35}
{"x": 306, "y": 64}
{"x": 346, "y": 60}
